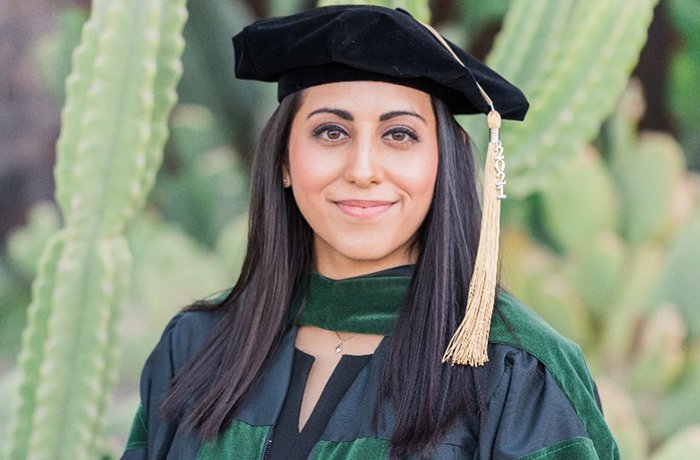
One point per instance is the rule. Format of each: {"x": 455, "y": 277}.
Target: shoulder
{"x": 152, "y": 435}
{"x": 537, "y": 380}
{"x": 515, "y": 322}
{"x": 189, "y": 328}
{"x": 516, "y": 325}
{"x": 184, "y": 335}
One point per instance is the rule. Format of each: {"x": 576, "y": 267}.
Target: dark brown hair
{"x": 427, "y": 397}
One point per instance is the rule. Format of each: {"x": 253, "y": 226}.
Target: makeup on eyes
{"x": 403, "y": 130}
{"x": 325, "y": 128}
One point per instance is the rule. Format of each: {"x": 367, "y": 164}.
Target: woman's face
{"x": 363, "y": 159}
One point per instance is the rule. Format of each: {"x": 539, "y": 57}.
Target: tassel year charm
{"x": 499, "y": 163}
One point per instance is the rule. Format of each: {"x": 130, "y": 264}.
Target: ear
{"x": 286, "y": 178}
{"x": 464, "y": 135}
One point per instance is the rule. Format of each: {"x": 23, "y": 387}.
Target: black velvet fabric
{"x": 361, "y": 42}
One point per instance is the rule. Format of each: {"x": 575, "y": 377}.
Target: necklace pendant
{"x": 339, "y": 347}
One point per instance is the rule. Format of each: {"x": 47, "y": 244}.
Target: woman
{"x": 364, "y": 229}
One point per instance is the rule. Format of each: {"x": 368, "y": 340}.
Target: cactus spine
{"x": 114, "y": 126}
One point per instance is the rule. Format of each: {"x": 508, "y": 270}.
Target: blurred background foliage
{"x": 601, "y": 231}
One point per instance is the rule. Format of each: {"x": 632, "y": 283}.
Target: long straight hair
{"x": 427, "y": 397}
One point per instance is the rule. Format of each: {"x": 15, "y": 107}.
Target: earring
{"x": 285, "y": 182}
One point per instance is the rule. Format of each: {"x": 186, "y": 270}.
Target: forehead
{"x": 370, "y": 97}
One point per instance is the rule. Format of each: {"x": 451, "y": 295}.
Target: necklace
{"x": 341, "y": 342}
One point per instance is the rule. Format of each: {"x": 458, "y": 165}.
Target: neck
{"x": 338, "y": 267}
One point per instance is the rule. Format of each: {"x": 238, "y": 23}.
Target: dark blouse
{"x": 286, "y": 442}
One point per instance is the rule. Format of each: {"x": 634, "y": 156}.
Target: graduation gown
{"x": 540, "y": 402}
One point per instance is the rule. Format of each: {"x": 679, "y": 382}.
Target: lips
{"x": 363, "y": 208}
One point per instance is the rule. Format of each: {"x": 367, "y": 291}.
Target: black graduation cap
{"x": 361, "y": 42}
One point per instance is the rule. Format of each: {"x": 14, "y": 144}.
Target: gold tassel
{"x": 468, "y": 344}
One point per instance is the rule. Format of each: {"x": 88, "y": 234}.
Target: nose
{"x": 363, "y": 166}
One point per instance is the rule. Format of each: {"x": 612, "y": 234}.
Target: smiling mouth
{"x": 363, "y": 208}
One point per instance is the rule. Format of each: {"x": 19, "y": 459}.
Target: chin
{"x": 369, "y": 252}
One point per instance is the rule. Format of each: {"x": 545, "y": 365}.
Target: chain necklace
{"x": 341, "y": 342}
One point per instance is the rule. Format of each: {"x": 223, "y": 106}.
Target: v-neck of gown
{"x": 288, "y": 442}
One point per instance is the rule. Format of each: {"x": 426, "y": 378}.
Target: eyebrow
{"x": 345, "y": 115}
{"x": 398, "y": 113}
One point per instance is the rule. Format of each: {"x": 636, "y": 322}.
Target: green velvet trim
{"x": 138, "y": 435}
{"x": 366, "y": 305}
{"x": 562, "y": 358}
{"x": 240, "y": 440}
{"x": 578, "y": 448}
{"x": 359, "y": 449}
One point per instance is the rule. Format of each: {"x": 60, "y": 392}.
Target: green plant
{"x": 418, "y": 8}
{"x": 209, "y": 186}
{"x": 203, "y": 183}
{"x": 17, "y": 270}
{"x": 53, "y": 54}
{"x": 685, "y": 75}
{"x": 614, "y": 266}
{"x": 118, "y": 97}
{"x": 572, "y": 59}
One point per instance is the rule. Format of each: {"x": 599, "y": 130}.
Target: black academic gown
{"x": 539, "y": 402}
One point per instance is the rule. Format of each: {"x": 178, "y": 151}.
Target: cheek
{"x": 310, "y": 170}
{"x": 301, "y": 175}
{"x": 418, "y": 175}
{"x": 426, "y": 175}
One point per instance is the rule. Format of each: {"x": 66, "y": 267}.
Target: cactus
{"x": 641, "y": 296}
{"x": 684, "y": 445}
{"x": 25, "y": 246}
{"x": 580, "y": 201}
{"x": 284, "y": 7}
{"x": 118, "y": 97}
{"x": 209, "y": 187}
{"x": 622, "y": 316}
{"x": 535, "y": 274}
{"x": 599, "y": 271}
{"x": 588, "y": 49}
{"x": 660, "y": 353}
{"x": 418, "y": 8}
{"x": 204, "y": 184}
{"x": 624, "y": 420}
{"x": 684, "y": 76}
{"x": 679, "y": 281}
{"x": 648, "y": 203}
{"x": 208, "y": 79}
{"x": 53, "y": 55}
{"x": 679, "y": 407}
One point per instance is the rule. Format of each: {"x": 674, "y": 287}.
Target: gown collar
{"x": 367, "y": 304}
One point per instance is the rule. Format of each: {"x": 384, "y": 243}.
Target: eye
{"x": 330, "y": 132}
{"x": 402, "y": 135}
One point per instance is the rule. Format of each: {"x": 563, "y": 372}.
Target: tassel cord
{"x": 468, "y": 345}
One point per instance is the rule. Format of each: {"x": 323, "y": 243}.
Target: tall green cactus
{"x": 114, "y": 125}
{"x": 572, "y": 59}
